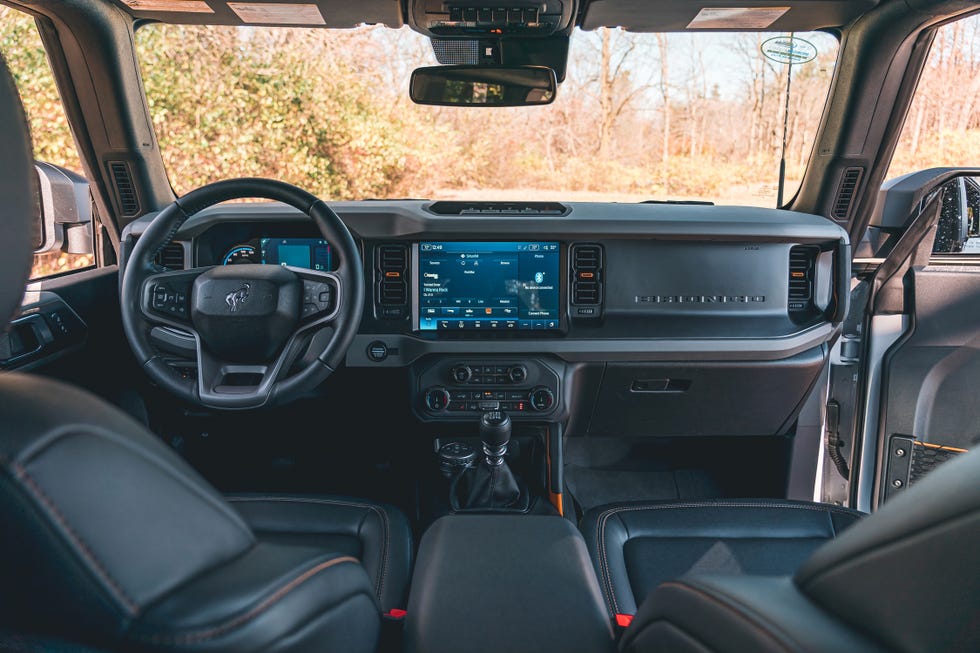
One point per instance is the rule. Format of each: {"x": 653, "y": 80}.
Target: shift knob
{"x": 495, "y": 429}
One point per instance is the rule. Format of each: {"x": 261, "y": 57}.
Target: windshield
{"x": 693, "y": 116}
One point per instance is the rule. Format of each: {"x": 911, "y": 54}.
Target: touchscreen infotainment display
{"x": 502, "y": 286}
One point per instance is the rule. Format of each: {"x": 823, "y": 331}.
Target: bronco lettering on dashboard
{"x": 699, "y": 299}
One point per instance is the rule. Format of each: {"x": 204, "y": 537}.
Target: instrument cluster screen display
{"x": 502, "y": 286}
{"x": 310, "y": 253}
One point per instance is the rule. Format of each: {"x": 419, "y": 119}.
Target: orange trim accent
{"x": 797, "y": 275}
{"x": 393, "y": 274}
{"x": 554, "y": 497}
{"x": 930, "y": 445}
{"x": 557, "y": 502}
{"x": 586, "y": 275}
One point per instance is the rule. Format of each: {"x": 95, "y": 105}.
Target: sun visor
{"x": 723, "y": 15}
{"x": 286, "y": 13}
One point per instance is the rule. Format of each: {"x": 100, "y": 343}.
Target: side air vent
{"x": 587, "y": 280}
{"x": 392, "y": 269}
{"x": 499, "y": 208}
{"x": 171, "y": 256}
{"x": 845, "y": 192}
{"x": 801, "y": 263}
{"x": 129, "y": 202}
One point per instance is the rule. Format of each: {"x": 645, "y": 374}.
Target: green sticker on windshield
{"x": 789, "y": 49}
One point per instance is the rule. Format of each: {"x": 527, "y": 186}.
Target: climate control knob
{"x": 436, "y": 399}
{"x": 461, "y": 373}
{"x": 517, "y": 374}
{"x": 541, "y": 399}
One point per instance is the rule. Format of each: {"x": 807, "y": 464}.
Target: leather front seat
{"x": 109, "y": 539}
{"x": 637, "y": 546}
{"x": 904, "y": 580}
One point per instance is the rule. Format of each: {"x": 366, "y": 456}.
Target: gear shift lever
{"x": 491, "y": 485}
{"x": 495, "y": 429}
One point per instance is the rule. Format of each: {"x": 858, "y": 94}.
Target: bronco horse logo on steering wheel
{"x": 236, "y": 298}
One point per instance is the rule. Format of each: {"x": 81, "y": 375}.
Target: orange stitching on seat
{"x": 216, "y": 631}
{"x": 131, "y": 606}
{"x": 381, "y": 512}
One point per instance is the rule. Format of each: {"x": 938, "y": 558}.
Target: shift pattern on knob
{"x": 495, "y": 429}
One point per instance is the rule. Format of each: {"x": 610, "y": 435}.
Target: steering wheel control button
{"x": 437, "y": 399}
{"x": 317, "y": 298}
{"x": 542, "y": 399}
{"x": 169, "y": 302}
{"x": 377, "y": 351}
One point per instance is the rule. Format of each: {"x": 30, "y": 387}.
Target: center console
{"x": 505, "y": 583}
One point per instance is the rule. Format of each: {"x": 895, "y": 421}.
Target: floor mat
{"x": 595, "y": 487}
{"x": 614, "y": 470}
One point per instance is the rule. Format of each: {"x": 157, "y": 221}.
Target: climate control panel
{"x": 463, "y": 389}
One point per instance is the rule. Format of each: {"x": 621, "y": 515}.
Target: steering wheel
{"x": 264, "y": 334}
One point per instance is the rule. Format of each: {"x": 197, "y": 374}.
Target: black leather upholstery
{"x": 113, "y": 541}
{"x": 737, "y": 614}
{"x": 906, "y": 579}
{"x": 18, "y": 188}
{"x": 377, "y": 535}
{"x": 110, "y": 540}
{"x": 636, "y": 547}
{"x": 910, "y": 575}
{"x": 502, "y": 583}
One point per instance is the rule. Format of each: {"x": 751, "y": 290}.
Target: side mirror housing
{"x": 65, "y": 222}
{"x": 958, "y": 229}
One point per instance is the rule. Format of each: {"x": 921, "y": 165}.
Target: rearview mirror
{"x": 484, "y": 86}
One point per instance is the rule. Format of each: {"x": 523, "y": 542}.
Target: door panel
{"x": 932, "y": 377}
{"x": 93, "y": 354}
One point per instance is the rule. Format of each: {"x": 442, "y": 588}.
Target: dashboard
{"x": 548, "y": 310}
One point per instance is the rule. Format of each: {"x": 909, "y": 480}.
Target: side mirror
{"x": 474, "y": 86}
{"x": 958, "y": 228}
{"x": 65, "y": 222}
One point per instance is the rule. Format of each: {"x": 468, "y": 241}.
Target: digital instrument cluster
{"x": 309, "y": 253}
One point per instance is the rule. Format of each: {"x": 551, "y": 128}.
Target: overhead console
{"x": 478, "y": 18}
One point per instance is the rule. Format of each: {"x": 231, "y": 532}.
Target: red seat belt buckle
{"x": 624, "y": 620}
{"x": 396, "y": 613}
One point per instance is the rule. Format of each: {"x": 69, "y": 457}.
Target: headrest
{"x": 18, "y": 205}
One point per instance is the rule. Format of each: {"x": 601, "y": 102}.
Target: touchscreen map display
{"x": 512, "y": 286}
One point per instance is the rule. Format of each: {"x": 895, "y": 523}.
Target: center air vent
{"x": 171, "y": 256}
{"x": 498, "y": 208}
{"x": 587, "y": 280}
{"x": 801, "y": 263}
{"x": 392, "y": 271}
